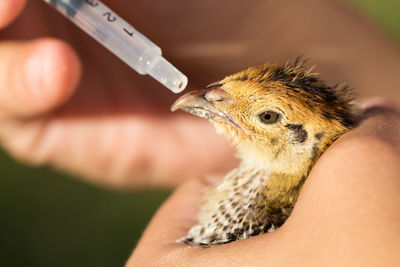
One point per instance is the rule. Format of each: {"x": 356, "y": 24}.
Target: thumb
{"x": 36, "y": 76}
{"x": 170, "y": 223}
{"x": 9, "y": 10}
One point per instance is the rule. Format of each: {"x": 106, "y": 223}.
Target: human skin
{"x": 348, "y": 212}
{"x": 74, "y": 106}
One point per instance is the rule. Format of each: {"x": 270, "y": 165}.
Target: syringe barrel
{"x": 123, "y": 40}
{"x": 110, "y": 30}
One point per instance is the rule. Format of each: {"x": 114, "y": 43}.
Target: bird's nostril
{"x": 218, "y": 94}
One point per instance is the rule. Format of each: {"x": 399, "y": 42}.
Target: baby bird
{"x": 280, "y": 118}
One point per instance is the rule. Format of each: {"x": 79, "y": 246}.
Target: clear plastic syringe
{"x": 123, "y": 40}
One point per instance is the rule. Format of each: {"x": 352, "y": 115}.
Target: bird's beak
{"x": 201, "y": 103}
{"x": 202, "y": 99}
{"x": 193, "y": 100}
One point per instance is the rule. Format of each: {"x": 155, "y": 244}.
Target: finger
{"x": 158, "y": 244}
{"x": 36, "y": 76}
{"x": 351, "y": 195}
{"x": 359, "y": 160}
{"x": 170, "y": 223}
{"x": 9, "y": 10}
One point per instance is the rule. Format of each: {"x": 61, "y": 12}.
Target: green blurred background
{"x": 49, "y": 219}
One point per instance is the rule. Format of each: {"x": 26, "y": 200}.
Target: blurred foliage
{"x": 385, "y": 12}
{"x": 50, "y": 219}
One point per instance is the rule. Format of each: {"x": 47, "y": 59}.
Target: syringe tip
{"x": 168, "y": 75}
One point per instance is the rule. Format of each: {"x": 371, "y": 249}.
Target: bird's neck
{"x": 281, "y": 193}
{"x": 284, "y": 175}
{"x": 280, "y": 190}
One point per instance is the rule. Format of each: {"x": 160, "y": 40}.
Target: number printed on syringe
{"x": 123, "y": 40}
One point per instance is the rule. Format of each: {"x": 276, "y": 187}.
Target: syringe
{"x": 122, "y": 39}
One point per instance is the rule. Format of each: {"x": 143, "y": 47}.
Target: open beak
{"x": 201, "y": 103}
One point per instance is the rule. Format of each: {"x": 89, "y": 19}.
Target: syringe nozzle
{"x": 164, "y": 72}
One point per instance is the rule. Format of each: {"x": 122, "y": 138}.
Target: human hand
{"x": 348, "y": 212}
{"x": 116, "y": 129}
{"x": 114, "y": 126}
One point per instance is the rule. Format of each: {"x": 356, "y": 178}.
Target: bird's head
{"x": 278, "y": 116}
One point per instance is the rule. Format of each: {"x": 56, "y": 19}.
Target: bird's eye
{"x": 269, "y": 117}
